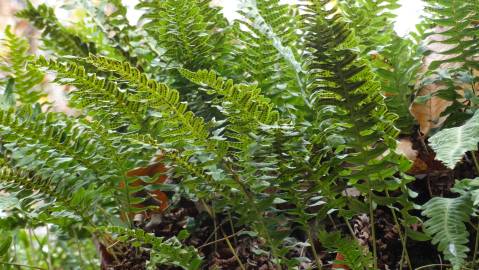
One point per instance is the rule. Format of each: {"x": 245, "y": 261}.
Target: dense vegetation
{"x": 275, "y": 141}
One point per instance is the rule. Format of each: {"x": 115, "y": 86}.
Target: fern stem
{"x": 263, "y": 228}
{"x": 401, "y": 236}
{"x": 476, "y": 244}
{"x": 373, "y": 227}
{"x": 233, "y": 250}
{"x": 22, "y": 265}
{"x": 432, "y": 265}
{"x": 313, "y": 248}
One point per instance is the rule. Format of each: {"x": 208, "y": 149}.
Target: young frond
{"x": 158, "y": 97}
{"x": 355, "y": 91}
{"x": 15, "y": 65}
{"x": 244, "y": 101}
{"x": 100, "y": 97}
{"x": 269, "y": 52}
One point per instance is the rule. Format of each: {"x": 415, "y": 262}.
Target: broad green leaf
{"x": 451, "y": 144}
{"x": 446, "y": 226}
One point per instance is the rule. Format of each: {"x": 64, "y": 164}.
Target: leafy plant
{"x": 187, "y": 126}
{"x": 448, "y": 218}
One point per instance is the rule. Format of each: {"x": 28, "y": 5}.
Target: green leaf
{"x": 451, "y": 144}
{"x": 7, "y": 100}
{"x": 5, "y": 242}
{"x": 446, "y": 226}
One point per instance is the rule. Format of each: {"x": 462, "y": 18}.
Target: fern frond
{"x": 55, "y": 36}
{"x": 101, "y": 97}
{"x": 446, "y": 226}
{"x": 65, "y": 149}
{"x": 452, "y": 47}
{"x": 451, "y": 144}
{"x": 269, "y": 52}
{"x": 246, "y": 101}
{"x": 39, "y": 190}
{"x": 336, "y": 69}
{"x": 162, "y": 252}
{"x": 355, "y": 256}
{"x": 371, "y": 20}
{"x": 159, "y": 97}
{"x": 14, "y": 65}
{"x": 190, "y": 32}
{"x": 458, "y": 32}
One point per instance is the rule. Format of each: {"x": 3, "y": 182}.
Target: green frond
{"x": 37, "y": 190}
{"x": 451, "y": 144}
{"x": 397, "y": 66}
{"x": 454, "y": 22}
{"x": 15, "y": 65}
{"x": 162, "y": 252}
{"x": 355, "y": 256}
{"x": 190, "y": 31}
{"x": 372, "y": 21}
{"x": 337, "y": 71}
{"x": 124, "y": 41}
{"x": 240, "y": 100}
{"x": 269, "y": 52}
{"x": 159, "y": 97}
{"x": 49, "y": 143}
{"x": 55, "y": 36}
{"x": 452, "y": 56}
{"x": 446, "y": 226}
{"x": 100, "y": 97}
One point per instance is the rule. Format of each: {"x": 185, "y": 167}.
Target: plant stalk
{"x": 313, "y": 248}
{"x": 401, "y": 236}
{"x": 373, "y": 227}
{"x": 476, "y": 244}
{"x": 22, "y": 265}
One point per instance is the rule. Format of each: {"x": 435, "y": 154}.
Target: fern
{"x": 56, "y": 36}
{"x": 14, "y": 65}
{"x": 344, "y": 85}
{"x": 101, "y": 97}
{"x": 355, "y": 256}
{"x": 159, "y": 97}
{"x": 164, "y": 252}
{"x": 37, "y": 191}
{"x": 269, "y": 53}
{"x": 451, "y": 144}
{"x": 189, "y": 31}
{"x": 371, "y": 20}
{"x": 452, "y": 45}
{"x": 446, "y": 226}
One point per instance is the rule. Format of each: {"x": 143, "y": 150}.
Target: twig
{"x": 373, "y": 227}
{"x": 313, "y": 248}
{"x": 401, "y": 236}
{"x": 476, "y": 245}
{"x": 219, "y": 240}
{"x": 23, "y": 265}
{"x": 433, "y": 265}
